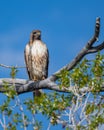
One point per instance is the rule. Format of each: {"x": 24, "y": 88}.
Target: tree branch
{"x": 88, "y": 48}
{"x": 96, "y": 48}
{"x": 96, "y": 35}
{"x": 10, "y": 67}
{"x": 24, "y": 86}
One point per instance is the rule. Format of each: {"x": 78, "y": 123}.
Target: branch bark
{"x": 23, "y": 86}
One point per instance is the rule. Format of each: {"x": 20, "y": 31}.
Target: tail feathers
{"x": 36, "y": 93}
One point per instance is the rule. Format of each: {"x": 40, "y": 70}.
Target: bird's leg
{"x": 35, "y": 79}
{"x": 36, "y": 92}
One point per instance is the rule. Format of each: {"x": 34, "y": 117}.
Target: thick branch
{"x": 24, "y": 86}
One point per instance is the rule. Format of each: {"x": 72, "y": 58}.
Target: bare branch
{"x": 87, "y": 49}
{"x": 96, "y": 35}
{"x": 24, "y": 86}
{"x": 10, "y": 67}
{"x": 96, "y": 48}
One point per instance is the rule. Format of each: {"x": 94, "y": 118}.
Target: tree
{"x": 76, "y": 99}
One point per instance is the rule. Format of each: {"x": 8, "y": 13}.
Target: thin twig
{"x": 49, "y": 126}
{"x": 85, "y": 104}
{"x": 4, "y": 120}
{"x": 10, "y": 67}
{"x": 1, "y": 123}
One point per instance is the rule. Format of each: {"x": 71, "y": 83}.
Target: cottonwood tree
{"x": 75, "y": 99}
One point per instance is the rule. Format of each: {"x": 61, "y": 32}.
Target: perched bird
{"x": 36, "y": 59}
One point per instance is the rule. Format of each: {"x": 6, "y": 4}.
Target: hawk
{"x": 36, "y": 58}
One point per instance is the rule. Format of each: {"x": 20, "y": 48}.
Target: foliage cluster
{"x": 76, "y": 109}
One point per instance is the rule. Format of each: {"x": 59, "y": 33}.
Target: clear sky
{"x": 66, "y": 26}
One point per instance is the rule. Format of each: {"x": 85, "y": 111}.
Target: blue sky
{"x": 66, "y": 26}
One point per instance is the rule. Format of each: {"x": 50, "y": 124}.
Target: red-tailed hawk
{"x": 36, "y": 58}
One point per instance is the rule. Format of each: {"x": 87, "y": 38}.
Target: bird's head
{"x": 35, "y": 35}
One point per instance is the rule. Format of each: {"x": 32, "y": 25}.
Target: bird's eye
{"x": 34, "y": 33}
